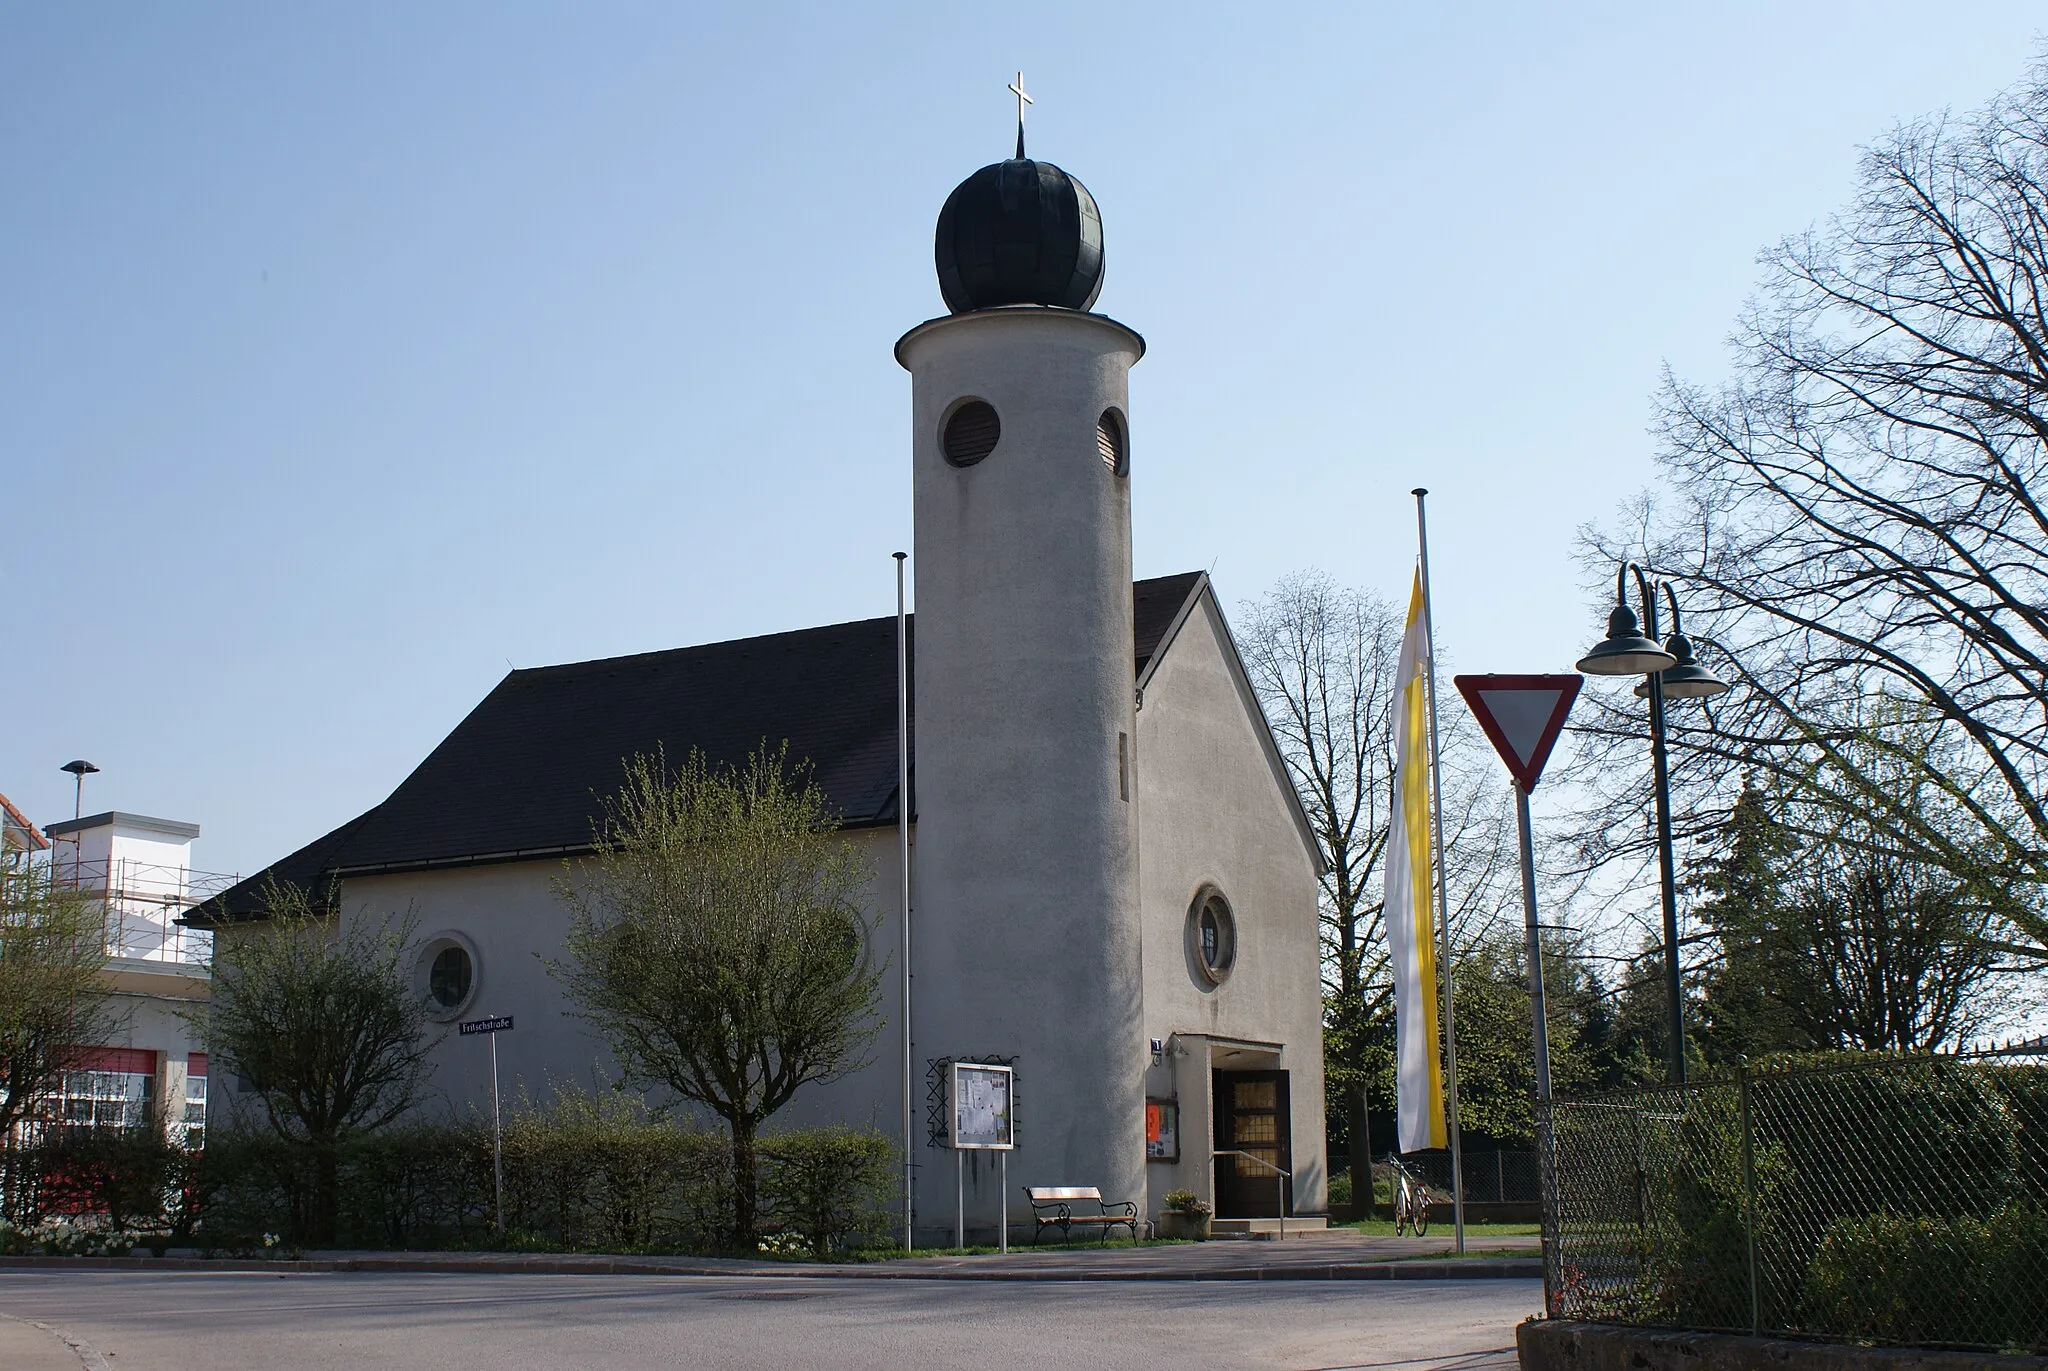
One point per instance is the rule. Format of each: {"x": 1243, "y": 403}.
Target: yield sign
{"x": 1522, "y": 715}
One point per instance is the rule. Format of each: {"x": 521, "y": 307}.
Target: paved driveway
{"x": 206, "y": 1321}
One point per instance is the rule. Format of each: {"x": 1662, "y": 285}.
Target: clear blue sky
{"x": 349, "y": 352}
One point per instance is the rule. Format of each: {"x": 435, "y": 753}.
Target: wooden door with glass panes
{"x": 1252, "y": 1117}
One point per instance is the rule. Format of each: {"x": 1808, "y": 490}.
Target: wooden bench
{"x": 1052, "y": 1206}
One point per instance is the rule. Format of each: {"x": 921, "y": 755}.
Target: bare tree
{"x": 717, "y": 939}
{"x": 1857, "y": 519}
{"x": 1323, "y": 660}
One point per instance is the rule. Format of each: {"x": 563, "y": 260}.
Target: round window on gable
{"x": 1212, "y": 936}
{"x": 1113, "y": 443}
{"x": 971, "y": 433}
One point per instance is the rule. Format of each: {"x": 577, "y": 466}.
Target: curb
{"x": 1471, "y": 1268}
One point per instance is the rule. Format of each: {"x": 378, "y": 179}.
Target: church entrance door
{"x": 1252, "y": 1116}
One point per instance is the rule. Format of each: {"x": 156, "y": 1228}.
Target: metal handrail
{"x": 1276, "y": 1170}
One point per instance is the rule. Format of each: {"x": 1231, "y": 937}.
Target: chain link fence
{"x": 1900, "y": 1201}
{"x": 1503, "y": 1176}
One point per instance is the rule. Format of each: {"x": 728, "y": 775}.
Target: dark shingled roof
{"x": 520, "y": 777}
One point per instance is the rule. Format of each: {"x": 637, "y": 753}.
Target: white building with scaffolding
{"x": 152, "y": 1068}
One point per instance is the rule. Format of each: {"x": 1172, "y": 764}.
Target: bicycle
{"x": 1411, "y": 1199}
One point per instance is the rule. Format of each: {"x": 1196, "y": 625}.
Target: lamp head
{"x": 1625, "y": 651}
{"x": 1685, "y": 678}
{"x": 80, "y": 767}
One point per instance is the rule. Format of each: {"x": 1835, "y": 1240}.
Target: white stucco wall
{"x": 511, "y": 918}
{"x": 1213, "y": 810}
{"x": 1029, "y": 941}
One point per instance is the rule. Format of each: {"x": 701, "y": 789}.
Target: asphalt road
{"x": 208, "y": 1321}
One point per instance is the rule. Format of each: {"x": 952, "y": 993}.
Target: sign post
{"x": 981, "y": 1123}
{"x": 1523, "y": 716}
{"x": 491, "y": 1028}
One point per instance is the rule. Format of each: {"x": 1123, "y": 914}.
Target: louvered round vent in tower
{"x": 1109, "y": 440}
{"x": 971, "y": 433}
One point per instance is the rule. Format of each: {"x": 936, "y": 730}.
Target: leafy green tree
{"x": 1835, "y": 934}
{"x": 1496, "y": 1050}
{"x": 1743, "y": 1012}
{"x": 319, "y": 1016}
{"x": 718, "y": 941}
{"x": 51, "y": 954}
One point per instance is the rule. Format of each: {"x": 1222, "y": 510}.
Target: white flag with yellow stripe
{"x": 1418, "y": 1073}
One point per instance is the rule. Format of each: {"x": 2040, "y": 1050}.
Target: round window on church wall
{"x": 971, "y": 432}
{"x": 446, "y": 974}
{"x": 1112, "y": 444}
{"x": 1212, "y": 936}
{"x": 448, "y": 979}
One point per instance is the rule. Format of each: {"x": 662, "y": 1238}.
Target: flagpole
{"x": 1443, "y": 899}
{"x": 903, "y": 864}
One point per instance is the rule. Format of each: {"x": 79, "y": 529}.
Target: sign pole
{"x": 497, "y": 1138}
{"x": 959, "y": 1198}
{"x": 1003, "y": 1183}
{"x": 1533, "y": 943}
{"x": 1538, "y": 1012}
{"x": 491, "y": 1028}
{"x": 1522, "y": 717}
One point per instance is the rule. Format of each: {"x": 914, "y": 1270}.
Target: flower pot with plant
{"x": 1185, "y": 1215}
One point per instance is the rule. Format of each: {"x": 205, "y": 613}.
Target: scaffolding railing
{"x": 143, "y": 902}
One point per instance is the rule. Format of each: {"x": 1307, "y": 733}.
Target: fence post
{"x": 1745, "y": 1121}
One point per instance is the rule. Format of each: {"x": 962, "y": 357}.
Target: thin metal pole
{"x": 959, "y": 1198}
{"x": 1747, "y": 1117}
{"x": 1666, "y": 865}
{"x": 1003, "y": 1184}
{"x": 903, "y": 864}
{"x": 497, "y": 1139}
{"x": 1533, "y": 947}
{"x": 1443, "y": 896}
{"x": 1539, "y": 1027}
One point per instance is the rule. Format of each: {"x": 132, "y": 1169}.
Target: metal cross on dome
{"x": 1017, "y": 89}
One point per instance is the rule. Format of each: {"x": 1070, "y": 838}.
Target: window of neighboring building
{"x": 110, "y": 1087}
{"x": 195, "y": 1102}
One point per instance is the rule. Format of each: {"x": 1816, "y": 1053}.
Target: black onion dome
{"x": 1019, "y": 233}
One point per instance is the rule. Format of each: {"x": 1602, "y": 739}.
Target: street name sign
{"x": 500, "y": 1024}
{"x": 1522, "y": 717}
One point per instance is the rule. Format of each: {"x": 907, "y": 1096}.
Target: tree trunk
{"x": 326, "y": 1195}
{"x": 746, "y": 1218}
{"x": 1361, "y": 1155}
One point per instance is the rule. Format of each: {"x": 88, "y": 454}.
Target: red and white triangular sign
{"x": 1522, "y": 715}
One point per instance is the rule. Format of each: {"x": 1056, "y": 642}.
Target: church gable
{"x": 1213, "y": 698}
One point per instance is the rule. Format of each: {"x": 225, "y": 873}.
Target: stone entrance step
{"x": 1267, "y": 1228}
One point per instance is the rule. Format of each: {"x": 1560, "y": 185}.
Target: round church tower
{"x": 1027, "y": 925}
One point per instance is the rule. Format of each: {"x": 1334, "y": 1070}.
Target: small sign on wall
{"x": 1162, "y": 1130}
{"x": 981, "y": 1107}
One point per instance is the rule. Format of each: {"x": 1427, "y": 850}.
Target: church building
{"x": 1113, "y": 886}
